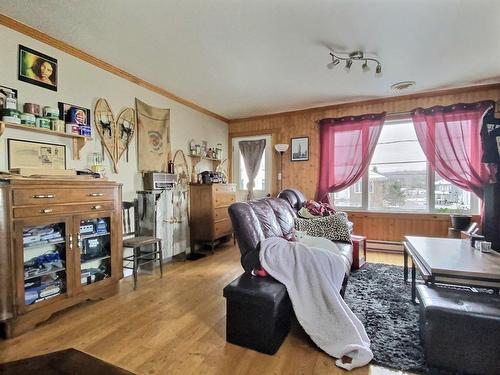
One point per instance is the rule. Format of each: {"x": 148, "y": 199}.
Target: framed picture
{"x": 37, "y": 68}
{"x": 73, "y": 114}
{"x": 300, "y": 149}
{"x": 29, "y": 154}
{"x": 6, "y": 92}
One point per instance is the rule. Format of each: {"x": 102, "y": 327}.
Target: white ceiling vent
{"x": 403, "y": 85}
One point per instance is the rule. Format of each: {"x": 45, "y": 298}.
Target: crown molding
{"x": 82, "y": 55}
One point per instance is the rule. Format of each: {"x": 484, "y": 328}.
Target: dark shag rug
{"x": 64, "y": 362}
{"x": 379, "y": 297}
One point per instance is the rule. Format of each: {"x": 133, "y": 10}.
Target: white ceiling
{"x": 242, "y": 58}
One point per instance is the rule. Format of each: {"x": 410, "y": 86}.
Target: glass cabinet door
{"x": 94, "y": 248}
{"x": 45, "y": 262}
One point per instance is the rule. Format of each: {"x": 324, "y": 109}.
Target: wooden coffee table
{"x": 450, "y": 261}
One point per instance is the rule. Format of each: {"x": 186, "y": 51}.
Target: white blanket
{"x": 313, "y": 277}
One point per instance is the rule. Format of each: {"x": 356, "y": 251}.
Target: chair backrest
{"x": 258, "y": 219}
{"x": 130, "y": 221}
{"x": 294, "y": 197}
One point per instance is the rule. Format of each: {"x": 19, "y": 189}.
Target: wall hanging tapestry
{"x": 115, "y": 135}
{"x": 153, "y": 128}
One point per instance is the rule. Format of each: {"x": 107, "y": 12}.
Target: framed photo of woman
{"x": 37, "y": 68}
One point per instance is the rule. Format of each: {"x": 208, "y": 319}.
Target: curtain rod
{"x": 389, "y": 115}
{"x": 401, "y": 115}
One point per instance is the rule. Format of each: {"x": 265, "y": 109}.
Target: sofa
{"x": 258, "y": 308}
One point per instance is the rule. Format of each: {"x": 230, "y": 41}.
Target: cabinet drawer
{"x": 45, "y": 210}
{"x": 223, "y": 188}
{"x": 49, "y": 196}
{"x": 224, "y": 199}
{"x": 221, "y": 213}
{"x": 222, "y": 228}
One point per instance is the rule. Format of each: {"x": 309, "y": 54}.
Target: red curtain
{"x": 450, "y": 139}
{"x": 347, "y": 146}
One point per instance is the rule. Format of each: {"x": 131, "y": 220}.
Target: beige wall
{"x": 81, "y": 83}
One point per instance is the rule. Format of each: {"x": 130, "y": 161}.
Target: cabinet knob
{"x": 95, "y": 194}
{"x": 44, "y": 196}
{"x": 96, "y": 207}
{"x": 46, "y": 210}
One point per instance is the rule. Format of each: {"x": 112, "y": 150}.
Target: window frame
{"x": 431, "y": 190}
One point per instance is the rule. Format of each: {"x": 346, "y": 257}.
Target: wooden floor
{"x": 175, "y": 325}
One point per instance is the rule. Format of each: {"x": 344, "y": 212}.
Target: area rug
{"x": 64, "y": 362}
{"x": 377, "y": 294}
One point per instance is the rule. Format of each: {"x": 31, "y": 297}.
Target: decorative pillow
{"x": 333, "y": 227}
{"x": 305, "y": 214}
{"x": 319, "y": 208}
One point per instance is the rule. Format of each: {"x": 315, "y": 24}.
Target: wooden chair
{"x": 137, "y": 243}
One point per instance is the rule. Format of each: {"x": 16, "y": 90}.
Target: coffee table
{"x": 450, "y": 261}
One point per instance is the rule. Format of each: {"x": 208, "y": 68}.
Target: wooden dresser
{"x": 209, "y": 219}
{"x": 60, "y": 244}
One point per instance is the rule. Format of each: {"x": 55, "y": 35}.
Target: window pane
{"x": 450, "y": 198}
{"x": 398, "y": 186}
{"x": 350, "y": 197}
{"x": 397, "y": 178}
{"x": 260, "y": 179}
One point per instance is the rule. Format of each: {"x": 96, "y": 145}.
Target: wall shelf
{"x": 78, "y": 140}
{"x": 199, "y": 157}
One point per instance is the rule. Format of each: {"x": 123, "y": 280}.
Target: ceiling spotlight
{"x": 351, "y": 57}
{"x": 365, "y": 66}
{"x": 334, "y": 63}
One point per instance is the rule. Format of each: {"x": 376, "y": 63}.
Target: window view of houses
{"x": 397, "y": 179}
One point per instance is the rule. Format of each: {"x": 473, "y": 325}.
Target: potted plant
{"x": 460, "y": 220}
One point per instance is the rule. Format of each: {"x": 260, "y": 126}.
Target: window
{"x": 260, "y": 179}
{"x": 399, "y": 178}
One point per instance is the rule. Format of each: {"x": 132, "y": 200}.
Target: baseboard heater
{"x": 384, "y": 246}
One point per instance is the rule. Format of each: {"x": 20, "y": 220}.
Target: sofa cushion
{"x": 333, "y": 227}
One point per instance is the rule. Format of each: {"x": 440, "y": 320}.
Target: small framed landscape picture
{"x": 300, "y": 149}
{"x": 37, "y": 68}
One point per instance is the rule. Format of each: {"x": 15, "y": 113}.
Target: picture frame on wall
{"x": 6, "y": 92}
{"x": 37, "y": 68}
{"x": 73, "y": 114}
{"x": 300, "y": 149}
{"x": 39, "y": 155}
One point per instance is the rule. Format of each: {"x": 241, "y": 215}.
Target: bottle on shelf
{"x": 170, "y": 167}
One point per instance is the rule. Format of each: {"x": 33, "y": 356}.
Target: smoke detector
{"x": 403, "y": 85}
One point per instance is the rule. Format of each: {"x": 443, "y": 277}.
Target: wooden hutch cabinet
{"x": 60, "y": 244}
{"x": 209, "y": 218}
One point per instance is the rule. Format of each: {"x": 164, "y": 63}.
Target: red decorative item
{"x": 359, "y": 251}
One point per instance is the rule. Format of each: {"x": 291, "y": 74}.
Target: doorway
{"x": 263, "y": 180}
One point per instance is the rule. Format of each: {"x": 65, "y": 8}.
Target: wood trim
{"x": 425, "y": 94}
{"x": 82, "y": 55}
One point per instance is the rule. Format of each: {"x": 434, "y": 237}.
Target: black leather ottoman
{"x": 258, "y": 312}
{"x": 460, "y": 330}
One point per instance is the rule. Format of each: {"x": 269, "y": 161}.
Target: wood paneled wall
{"x": 304, "y": 175}
{"x": 384, "y": 226}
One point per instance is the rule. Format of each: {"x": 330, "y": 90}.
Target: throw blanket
{"x": 313, "y": 278}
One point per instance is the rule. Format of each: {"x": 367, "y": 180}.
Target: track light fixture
{"x": 349, "y": 58}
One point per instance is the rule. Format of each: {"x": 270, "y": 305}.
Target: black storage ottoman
{"x": 460, "y": 330}
{"x": 258, "y": 313}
